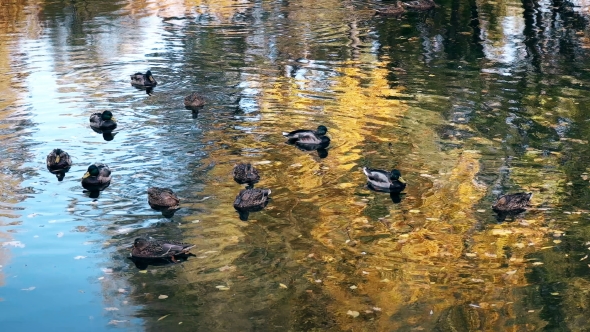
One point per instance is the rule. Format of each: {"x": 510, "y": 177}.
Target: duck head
{"x": 140, "y": 243}
{"x": 92, "y": 171}
{"x": 396, "y": 175}
{"x": 107, "y": 115}
{"x": 322, "y": 130}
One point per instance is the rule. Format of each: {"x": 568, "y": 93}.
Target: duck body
{"x": 245, "y": 173}
{"x": 159, "y": 249}
{"x": 58, "y": 163}
{"x": 310, "y": 140}
{"x": 143, "y": 80}
{"x": 393, "y": 10}
{"x": 97, "y": 178}
{"x": 251, "y": 200}
{"x": 194, "y": 100}
{"x": 512, "y": 203}
{"x": 103, "y": 122}
{"x": 380, "y": 180}
{"x": 419, "y": 5}
{"x": 164, "y": 200}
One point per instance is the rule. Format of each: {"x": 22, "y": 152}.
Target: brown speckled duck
{"x": 246, "y": 173}
{"x": 392, "y": 10}
{"x": 251, "y": 200}
{"x": 164, "y": 200}
{"x": 419, "y": 5}
{"x": 194, "y": 100}
{"x": 512, "y": 202}
{"x": 145, "y": 80}
{"x": 159, "y": 249}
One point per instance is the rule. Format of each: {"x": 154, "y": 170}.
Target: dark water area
{"x": 470, "y": 100}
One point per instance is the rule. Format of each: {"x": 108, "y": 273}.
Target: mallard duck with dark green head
{"x": 58, "y": 163}
{"x": 251, "y": 200}
{"x": 164, "y": 200}
{"x": 143, "y": 80}
{"x": 96, "y": 178}
{"x": 380, "y": 180}
{"x": 159, "y": 249}
{"x": 103, "y": 122}
{"x": 194, "y": 101}
{"x": 310, "y": 140}
{"x": 245, "y": 173}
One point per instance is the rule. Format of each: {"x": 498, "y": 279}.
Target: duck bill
{"x": 400, "y": 179}
{"x": 86, "y": 175}
{"x": 151, "y": 78}
{"x": 57, "y": 159}
{"x": 113, "y": 119}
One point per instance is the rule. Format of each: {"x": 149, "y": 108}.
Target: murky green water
{"x": 471, "y": 100}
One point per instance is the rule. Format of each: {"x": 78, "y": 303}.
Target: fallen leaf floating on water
{"x": 353, "y": 287}
{"x": 121, "y": 290}
{"x": 354, "y": 314}
{"x": 162, "y": 297}
{"x": 376, "y": 309}
{"x": 60, "y": 234}
{"x": 79, "y": 257}
{"x": 538, "y": 263}
{"x": 142, "y": 271}
{"x": 283, "y": 286}
{"x": 115, "y": 322}
{"x": 111, "y": 309}
{"x": 29, "y": 289}
{"x": 159, "y": 319}
{"x": 583, "y": 258}
{"x": 222, "y": 287}
{"x": 414, "y": 211}
{"x": 511, "y": 272}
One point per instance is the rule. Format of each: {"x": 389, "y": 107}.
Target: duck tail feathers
{"x": 366, "y": 171}
{"x": 286, "y": 134}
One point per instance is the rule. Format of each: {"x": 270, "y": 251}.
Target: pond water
{"x": 469, "y": 101}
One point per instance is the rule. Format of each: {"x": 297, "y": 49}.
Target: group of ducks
{"x": 399, "y": 7}
{"x": 250, "y": 199}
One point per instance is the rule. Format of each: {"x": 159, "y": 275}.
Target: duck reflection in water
{"x": 310, "y": 140}
{"x": 251, "y": 200}
{"x": 511, "y": 205}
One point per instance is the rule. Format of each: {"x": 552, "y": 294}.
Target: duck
{"x": 159, "y": 249}
{"x": 251, "y": 200}
{"x": 309, "y": 140}
{"x": 420, "y": 5}
{"x": 164, "y": 200}
{"x": 512, "y": 202}
{"x": 145, "y": 80}
{"x": 393, "y": 10}
{"x": 96, "y": 178}
{"x": 380, "y": 180}
{"x": 103, "y": 122}
{"x": 194, "y": 100}
{"x": 245, "y": 173}
{"x": 58, "y": 163}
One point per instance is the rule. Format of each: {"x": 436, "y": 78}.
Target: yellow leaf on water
{"x": 142, "y": 271}
{"x": 162, "y": 297}
{"x": 283, "y": 286}
{"x": 414, "y": 211}
{"x": 353, "y": 313}
{"x": 159, "y": 319}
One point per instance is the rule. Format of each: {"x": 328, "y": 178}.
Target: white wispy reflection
{"x": 503, "y": 38}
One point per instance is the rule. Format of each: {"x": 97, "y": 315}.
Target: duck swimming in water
{"x": 164, "y": 200}
{"x": 379, "y": 180}
{"x": 97, "y": 178}
{"x": 58, "y": 163}
{"x": 251, "y": 200}
{"x": 245, "y": 173}
{"x": 511, "y": 205}
{"x": 310, "y": 140}
{"x": 392, "y": 10}
{"x": 194, "y": 101}
{"x": 419, "y": 5}
{"x": 103, "y": 122}
{"x": 143, "y": 80}
{"x": 159, "y": 249}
